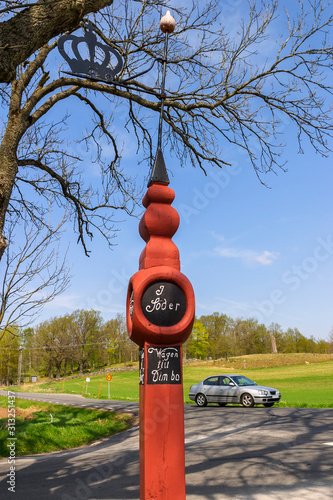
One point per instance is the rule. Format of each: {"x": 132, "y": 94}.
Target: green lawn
{"x": 301, "y": 385}
{"x": 43, "y": 427}
{"x": 123, "y": 386}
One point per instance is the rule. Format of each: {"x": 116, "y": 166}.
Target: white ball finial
{"x": 167, "y": 23}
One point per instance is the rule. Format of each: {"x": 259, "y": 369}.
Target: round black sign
{"x": 163, "y": 303}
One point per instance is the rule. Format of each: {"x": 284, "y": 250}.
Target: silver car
{"x": 224, "y": 389}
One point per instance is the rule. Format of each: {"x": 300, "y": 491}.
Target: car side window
{"x": 212, "y": 381}
{"x": 225, "y": 381}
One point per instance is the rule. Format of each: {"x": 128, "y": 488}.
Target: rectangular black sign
{"x": 164, "y": 365}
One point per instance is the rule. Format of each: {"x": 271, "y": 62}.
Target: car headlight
{"x": 263, "y": 393}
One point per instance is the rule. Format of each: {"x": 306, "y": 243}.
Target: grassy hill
{"x": 305, "y": 380}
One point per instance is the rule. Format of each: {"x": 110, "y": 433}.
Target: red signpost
{"x": 160, "y": 313}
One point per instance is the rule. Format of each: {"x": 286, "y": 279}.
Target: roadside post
{"x": 109, "y": 378}
{"x": 160, "y": 312}
{"x": 87, "y": 382}
{"x": 100, "y": 387}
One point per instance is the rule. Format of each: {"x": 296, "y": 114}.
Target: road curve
{"x": 231, "y": 452}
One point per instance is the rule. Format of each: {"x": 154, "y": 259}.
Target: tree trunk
{"x": 274, "y": 348}
{"x": 16, "y": 127}
{"x": 8, "y": 171}
{"x": 19, "y": 366}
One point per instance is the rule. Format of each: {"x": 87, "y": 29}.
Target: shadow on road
{"x": 231, "y": 452}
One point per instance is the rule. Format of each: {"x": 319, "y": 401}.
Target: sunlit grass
{"x": 43, "y": 427}
{"x": 304, "y": 383}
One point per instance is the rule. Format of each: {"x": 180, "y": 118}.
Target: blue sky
{"x": 249, "y": 250}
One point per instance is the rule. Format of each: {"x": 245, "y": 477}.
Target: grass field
{"x": 43, "y": 427}
{"x": 306, "y": 384}
{"x": 300, "y": 385}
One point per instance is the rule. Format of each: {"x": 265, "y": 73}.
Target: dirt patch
{"x": 3, "y": 412}
{"x": 20, "y": 412}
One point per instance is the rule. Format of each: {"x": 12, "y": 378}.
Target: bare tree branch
{"x": 33, "y": 274}
{"x": 225, "y": 89}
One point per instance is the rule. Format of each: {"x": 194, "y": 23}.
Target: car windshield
{"x": 240, "y": 380}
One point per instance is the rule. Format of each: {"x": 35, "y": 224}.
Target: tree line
{"x": 218, "y": 335}
{"x": 81, "y": 342}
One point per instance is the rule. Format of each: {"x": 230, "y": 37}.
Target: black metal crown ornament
{"x": 105, "y": 70}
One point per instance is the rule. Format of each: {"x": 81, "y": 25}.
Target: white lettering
{"x": 161, "y": 304}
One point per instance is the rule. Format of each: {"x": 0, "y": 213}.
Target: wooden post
{"x": 160, "y": 314}
{"x": 100, "y": 385}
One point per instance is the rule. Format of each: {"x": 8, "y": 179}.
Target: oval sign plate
{"x": 163, "y": 303}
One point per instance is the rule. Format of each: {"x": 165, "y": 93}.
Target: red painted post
{"x": 160, "y": 314}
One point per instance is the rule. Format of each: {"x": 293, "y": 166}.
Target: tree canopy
{"x": 229, "y": 83}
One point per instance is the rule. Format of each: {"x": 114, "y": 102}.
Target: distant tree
{"x": 86, "y": 335}
{"x": 9, "y": 352}
{"x": 29, "y": 353}
{"x": 53, "y": 341}
{"x": 198, "y": 342}
{"x": 321, "y": 347}
{"x": 217, "y": 327}
{"x": 120, "y": 348}
{"x": 252, "y": 337}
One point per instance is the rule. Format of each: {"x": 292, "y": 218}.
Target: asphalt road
{"x": 231, "y": 452}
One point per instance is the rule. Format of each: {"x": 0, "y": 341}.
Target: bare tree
{"x": 86, "y": 334}
{"x": 54, "y": 343}
{"x": 32, "y": 274}
{"x": 225, "y": 92}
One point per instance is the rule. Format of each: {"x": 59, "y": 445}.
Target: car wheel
{"x": 222, "y": 404}
{"x": 268, "y": 405}
{"x": 247, "y": 400}
{"x": 201, "y": 400}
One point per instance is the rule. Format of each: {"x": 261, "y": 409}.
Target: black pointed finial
{"x": 159, "y": 172}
